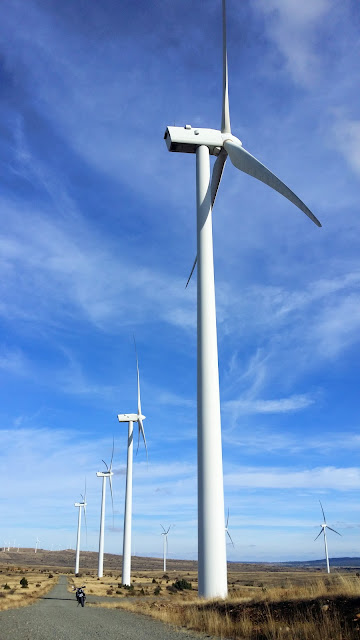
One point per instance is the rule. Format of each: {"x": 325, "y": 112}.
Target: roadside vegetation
{"x": 21, "y": 586}
{"x": 267, "y": 606}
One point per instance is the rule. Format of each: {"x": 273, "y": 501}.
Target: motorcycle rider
{"x": 80, "y": 595}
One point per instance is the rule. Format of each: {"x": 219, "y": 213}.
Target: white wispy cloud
{"x": 340, "y": 479}
{"x": 280, "y": 405}
{"x": 292, "y": 26}
{"x": 261, "y": 440}
{"x": 347, "y": 135}
{"x": 71, "y": 270}
{"x": 13, "y": 361}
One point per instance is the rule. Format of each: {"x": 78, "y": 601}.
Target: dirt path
{"x": 58, "y": 617}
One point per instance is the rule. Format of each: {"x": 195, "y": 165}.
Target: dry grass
{"x": 299, "y": 606}
{"x": 39, "y": 584}
{"x": 144, "y": 583}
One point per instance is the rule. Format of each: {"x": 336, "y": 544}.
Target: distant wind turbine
{"x": 104, "y": 474}
{"x": 203, "y": 143}
{"x": 80, "y": 505}
{"x": 323, "y": 528}
{"x": 165, "y": 534}
{"x": 37, "y": 544}
{"x": 130, "y": 418}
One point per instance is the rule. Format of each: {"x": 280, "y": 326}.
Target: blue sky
{"x": 97, "y": 240}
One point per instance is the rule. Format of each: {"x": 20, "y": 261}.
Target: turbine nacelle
{"x": 104, "y": 474}
{"x": 187, "y": 140}
{"x": 130, "y": 417}
{"x": 80, "y": 504}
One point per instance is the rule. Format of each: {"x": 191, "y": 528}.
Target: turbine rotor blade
{"x": 227, "y": 520}
{"x": 112, "y": 454}
{"x": 322, "y": 512}
{"x": 138, "y": 380}
{"x": 191, "y": 272}
{"x": 112, "y": 498}
{"x": 85, "y": 524}
{"x": 225, "y": 117}
{"x": 339, "y": 534}
{"x": 230, "y": 538}
{"x": 319, "y": 534}
{"x": 141, "y": 430}
{"x": 85, "y": 513}
{"x": 105, "y": 464}
{"x": 244, "y": 161}
{"x": 217, "y": 172}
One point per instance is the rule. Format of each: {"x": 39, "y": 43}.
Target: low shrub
{"x": 171, "y": 588}
{"x": 24, "y": 583}
{"x": 182, "y": 584}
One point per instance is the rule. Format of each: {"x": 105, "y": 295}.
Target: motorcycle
{"x": 80, "y": 595}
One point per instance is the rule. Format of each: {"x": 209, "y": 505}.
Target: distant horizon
{"x": 179, "y": 559}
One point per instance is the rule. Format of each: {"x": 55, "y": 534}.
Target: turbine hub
{"x": 229, "y": 136}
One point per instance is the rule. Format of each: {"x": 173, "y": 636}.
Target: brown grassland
{"x": 265, "y": 602}
{"x": 13, "y": 595}
{"x": 262, "y": 605}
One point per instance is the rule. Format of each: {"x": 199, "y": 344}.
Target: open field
{"x": 13, "y": 595}
{"x": 265, "y": 602}
{"x": 262, "y": 605}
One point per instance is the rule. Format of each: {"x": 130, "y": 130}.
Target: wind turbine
{"x": 130, "y": 418}
{"x": 203, "y": 143}
{"x": 165, "y": 534}
{"x": 323, "y": 528}
{"x": 104, "y": 474}
{"x": 36, "y": 544}
{"x": 80, "y": 505}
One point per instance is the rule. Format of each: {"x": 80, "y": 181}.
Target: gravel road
{"x": 58, "y": 617}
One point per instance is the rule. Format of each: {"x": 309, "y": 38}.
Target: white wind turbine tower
{"x": 104, "y": 474}
{"x": 203, "y": 143}
{"x": 80, "y": 505}
{"x": 325, "y": 526}
{"x": 37, "y": 544}
{"x": 165, "y": 534}
{"x": 130, "y": 418}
